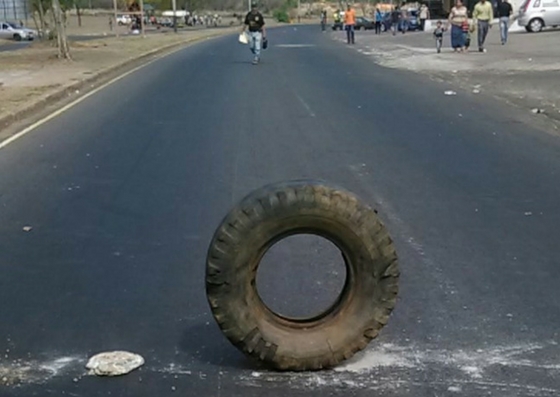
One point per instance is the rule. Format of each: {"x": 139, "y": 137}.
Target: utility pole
{"x": 298, "y": 10}
{"x": 249, "y": 5}
{"x": 174, "y": 15}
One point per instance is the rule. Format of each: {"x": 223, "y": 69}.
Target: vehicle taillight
{"x": 525, "y": 5}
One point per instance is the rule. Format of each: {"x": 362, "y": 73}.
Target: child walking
{"x": 466, "y": 32}
{"x": 438, "y": 35}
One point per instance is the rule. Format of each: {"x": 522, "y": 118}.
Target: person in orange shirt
{"x": 350, "y": 22}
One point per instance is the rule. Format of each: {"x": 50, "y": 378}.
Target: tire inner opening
{"x": 301, "y": 276}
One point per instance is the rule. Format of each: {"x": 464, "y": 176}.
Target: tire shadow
{"x": 206, "y": 344}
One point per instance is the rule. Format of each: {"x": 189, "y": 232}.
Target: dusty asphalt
{"x": 124, "y": 191}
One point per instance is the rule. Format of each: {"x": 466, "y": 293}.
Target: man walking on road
{"x": 404, "y": 19}
{"x": 349, "y": 24}
{"x": 323, "y": 20}
{"x": 484, "y": 14}
{"x": 504, "y": 13}
{"x": 378, "y": 20}
{"x": 254, "y": 22}
{"x": 395, "y": 18}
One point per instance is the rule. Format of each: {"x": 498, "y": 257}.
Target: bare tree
{"x": 63, "y": 48}
{"x": 39, "y": 7}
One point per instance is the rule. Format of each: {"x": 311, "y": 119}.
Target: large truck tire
{"x": 271, "y": 214}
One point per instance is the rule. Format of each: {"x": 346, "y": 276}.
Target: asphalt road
{"x": 123, "y": 193}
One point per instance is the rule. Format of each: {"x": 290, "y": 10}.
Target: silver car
{"x": 9, "y": 30}
{"x": 534, "y": 15}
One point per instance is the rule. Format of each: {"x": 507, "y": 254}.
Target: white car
{"x": 10, "y": 30}
{"x": 534, "y": 15}
{"x": 124, "y": 19}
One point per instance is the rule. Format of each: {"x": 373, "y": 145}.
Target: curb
{"x": 67, "y": 90}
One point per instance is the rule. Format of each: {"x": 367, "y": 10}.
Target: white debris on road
{"x": 388, "y": 367}
{"x": 449, "y": 93}
{"x": 31, "y": 371}
{"x": 114, "y": 363}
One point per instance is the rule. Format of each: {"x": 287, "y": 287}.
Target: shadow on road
{"x": 208, "y": 345}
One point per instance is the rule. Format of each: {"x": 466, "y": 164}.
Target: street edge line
{"x": 159, "y": 54}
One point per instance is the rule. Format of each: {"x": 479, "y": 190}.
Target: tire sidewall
{"x": 260, "y": 222}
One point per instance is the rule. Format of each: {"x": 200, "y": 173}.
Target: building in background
{"x": 15, "y": 10}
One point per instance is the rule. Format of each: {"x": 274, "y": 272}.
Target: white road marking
{"x": 63, "y": 109}
{"x": 306, "y": 106}
{"x": 295, "y": 45}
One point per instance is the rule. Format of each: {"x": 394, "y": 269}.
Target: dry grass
{"x": 28, "y": 74}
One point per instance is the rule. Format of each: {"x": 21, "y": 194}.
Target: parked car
{"x": 413, "y": 20}
{"x": 364, "y": 24}
{"x": 534, "y": 15}
{"x": 124, "y": 19}
{"x": 10, "y": 30}
{"x": 166, "y": 22}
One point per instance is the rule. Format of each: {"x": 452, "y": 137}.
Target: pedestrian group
{"x": 458, "y": 23}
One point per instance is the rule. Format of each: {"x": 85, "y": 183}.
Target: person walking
{"x": 349, "y": 24}
{"x": 438, "y": 35}
{"x": 504, "y": 13}
{"x": 424, "y": 15}
{"x": 483, "y": 14}
{"x": 395, "y": 18}
{"x": 457, "y": 17}
{"x": 404, "y": 19}
{"x": 254, "y": 22}
{"x": 323, "y": 20}
{"x": 378, "y": 20}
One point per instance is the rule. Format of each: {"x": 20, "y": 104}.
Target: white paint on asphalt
{"x": 33, "y": 371}
{"x": 295, "y": 45}
{"x": 305, "y": 105}
{"x": 63, "y": 109}
{"x": 175, "y": 369}
{"x": 393, "y": 367}
{"x": 472, "y": 363}
{"x": 387, "y": 355}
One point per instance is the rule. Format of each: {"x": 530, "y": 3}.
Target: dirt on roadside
{"x": 28, "y": 74}
{"x": 523, "y": 73}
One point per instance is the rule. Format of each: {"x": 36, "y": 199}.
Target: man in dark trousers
{"x": 254, "y": 23}
{"x": 395, "y": 19}
{"x": 484, "y": 14}
{"x": 350, "y": 24}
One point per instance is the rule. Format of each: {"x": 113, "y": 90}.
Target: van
{"x": 534, "y": 15}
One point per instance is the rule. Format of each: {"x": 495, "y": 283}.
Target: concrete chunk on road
{"x": 114, "y": 363}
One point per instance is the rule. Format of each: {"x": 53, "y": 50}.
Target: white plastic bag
{"x": 243, "y": 38}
